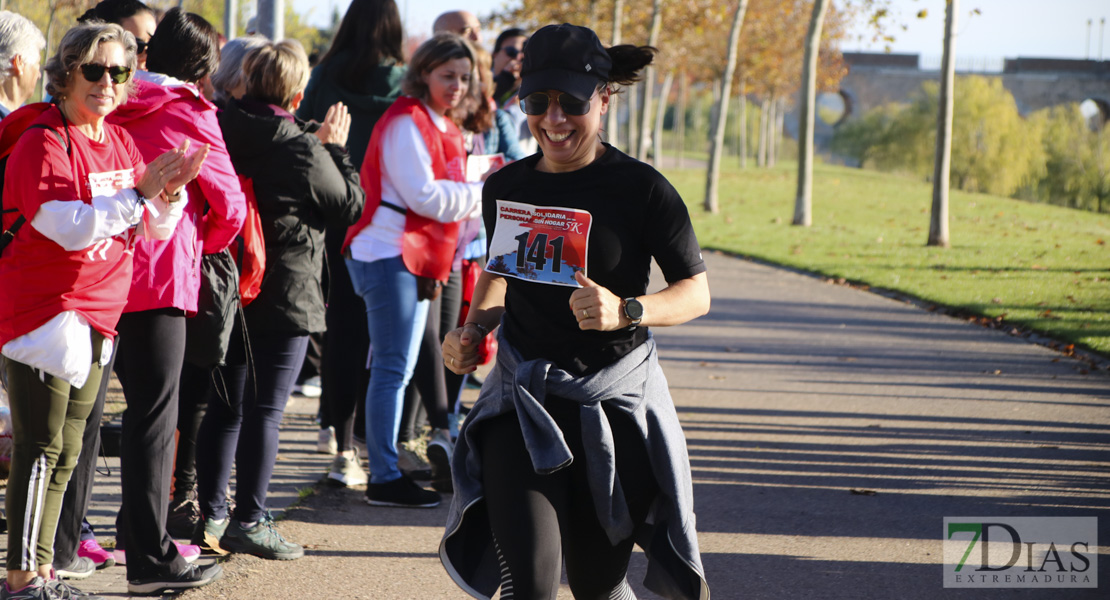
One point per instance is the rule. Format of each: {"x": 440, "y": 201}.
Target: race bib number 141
{"x": 543, "y": 244}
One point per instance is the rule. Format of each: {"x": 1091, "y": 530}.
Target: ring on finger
{"x": 585, "y": 315}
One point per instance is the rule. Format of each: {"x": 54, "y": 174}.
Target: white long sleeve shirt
{"x": 408, "y": 182}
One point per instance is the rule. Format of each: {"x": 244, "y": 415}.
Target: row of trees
{"x": 1055, "y": 155}
{"x": 752, "y": 48}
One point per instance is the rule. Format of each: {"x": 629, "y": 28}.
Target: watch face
{"x": 633, "y": 309}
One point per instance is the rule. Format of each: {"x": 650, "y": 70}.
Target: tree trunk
{"x": 780, "y": 127}
{"x": 592, "y": 21}
{"x": 612, "y": 123}
{"x": 938, "y": 219}
{"x": 649, "y": 83}
{"x": 743, "y": 144}
{"x": 714, "y": 172}
{"x": 772, "y": 137}
{"x": 803, "y": 200}
{"x": 680, "y": 120}
{"x": 660, "y": 114}
{"x": 761, "y": 150}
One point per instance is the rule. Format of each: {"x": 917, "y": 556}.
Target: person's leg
{"x": 48, "y": 421}
{"x": 277, "y": 360}
{"x": 344, "y": 375}
{"x": 450, "y": 306}
{"x": 151, "y": 352}
{"x": 183, "y": 517}
{"x": 75, "y": 503}
{"x": 597, "y": 569}
{"x": 428, "y": 373}
{"x": 278, "y": 357}
{"x": 395, "y": 319}
{"x": 220, "y": 430}
{"x": 523, "y": 511}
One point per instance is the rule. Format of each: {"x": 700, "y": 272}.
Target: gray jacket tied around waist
{"x": 635, "y": 385}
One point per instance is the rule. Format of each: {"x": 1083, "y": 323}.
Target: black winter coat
{"x": 302, "y": 186}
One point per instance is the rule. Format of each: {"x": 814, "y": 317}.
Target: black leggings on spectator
{"x": 344, "y": 375}
{"x": 539, "y": 519}
{"x": 196, "y": 384}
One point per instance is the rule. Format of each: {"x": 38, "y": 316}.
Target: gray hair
{"x": 230, "y": 73}
{"x": 18, "y": 36}
{"x": 78, "y": 47}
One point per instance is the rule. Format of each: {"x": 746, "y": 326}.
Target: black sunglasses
{"x": 140, "y": 46}
{"x": 536, "y": 104}
{"x": 94, "y": 73}
{"x": 511, "y": 51}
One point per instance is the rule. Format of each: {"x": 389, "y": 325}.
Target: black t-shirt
{"x": 636, "y": 215}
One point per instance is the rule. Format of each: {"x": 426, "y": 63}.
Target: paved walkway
{"x": 830, "y": 431}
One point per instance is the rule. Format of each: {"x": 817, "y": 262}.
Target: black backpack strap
{"x": 9, "y": 233}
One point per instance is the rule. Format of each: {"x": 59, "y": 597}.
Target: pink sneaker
{"x": 91, "y": 550}
{"x": 188, "y": 551}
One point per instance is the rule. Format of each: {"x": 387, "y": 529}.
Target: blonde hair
{"x": 275, "y": 72}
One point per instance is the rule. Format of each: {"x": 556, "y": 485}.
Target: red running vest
{"x": 427, "y": 247}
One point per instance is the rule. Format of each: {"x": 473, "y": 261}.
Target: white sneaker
{"x": 346, "y": 471}
{"x": 325, "y": 443}
{"x": 310, "y": 388}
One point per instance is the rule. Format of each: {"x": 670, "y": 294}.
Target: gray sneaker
{"x": 36, "y": 590}
{"x": 64, "y": 591}
{"x": 207, "y": 538}
{"x": 345, "y": 471}
{"x": 81, "y": 568}
{"x": 412, "y": 464}
{"x": 261, "y": 540}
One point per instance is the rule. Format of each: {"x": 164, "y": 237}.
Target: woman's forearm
{"x": 682, "y": 301}
{"x": 488, "y": 302}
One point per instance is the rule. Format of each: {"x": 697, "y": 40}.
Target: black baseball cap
{"x": 566, "y": 57}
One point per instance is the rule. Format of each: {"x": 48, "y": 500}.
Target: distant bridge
{"x": 875, "y": 79}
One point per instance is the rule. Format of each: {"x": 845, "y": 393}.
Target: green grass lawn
{"x": 1040, "y": 267}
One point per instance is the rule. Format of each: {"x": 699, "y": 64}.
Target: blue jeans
{"x": 396, "y": 321}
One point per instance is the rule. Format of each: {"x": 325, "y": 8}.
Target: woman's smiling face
{"x": 91, "y": 101}
{"x": 569, "y": 142}
{"x": 447, "y": 84}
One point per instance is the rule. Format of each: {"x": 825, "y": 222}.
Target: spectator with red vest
{"x": 401, "y": 250}
{"x": 87, "y": 195}
{"x": 165, "y": 109}
{"x": 303, "y": 181}
{"x": 363, "y": 70}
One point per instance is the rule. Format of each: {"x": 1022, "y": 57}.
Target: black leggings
{"x": 537, "y": 520}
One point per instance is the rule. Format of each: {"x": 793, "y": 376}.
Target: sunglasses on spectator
{"x": 511, "y": 51}
{"x": 140, "y": 46}
{"x": 94, "y": 73}
{"x": 537, "y": 103}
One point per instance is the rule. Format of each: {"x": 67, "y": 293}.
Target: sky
{"x": 1002, "y": 29}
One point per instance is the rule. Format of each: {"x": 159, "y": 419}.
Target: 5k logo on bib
{"x": 544, "y": 244}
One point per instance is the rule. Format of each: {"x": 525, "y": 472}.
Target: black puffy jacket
{"x": 302, "y": 186}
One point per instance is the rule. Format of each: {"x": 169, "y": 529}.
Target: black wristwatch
{"x": 633, "y": 309}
